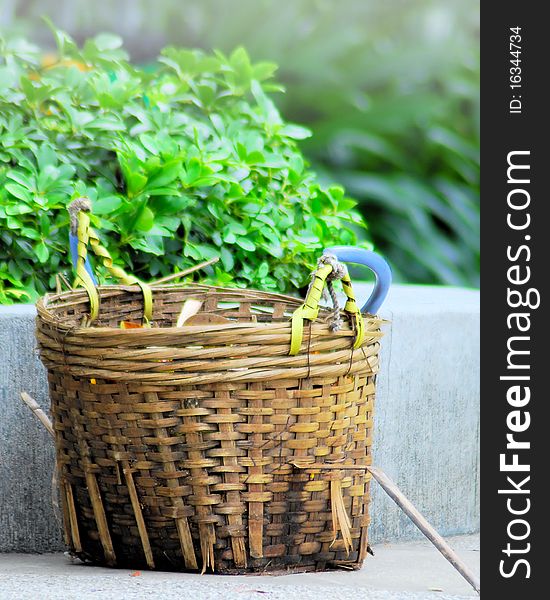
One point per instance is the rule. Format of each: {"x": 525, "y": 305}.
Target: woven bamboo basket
{"x": 231, "y": 446}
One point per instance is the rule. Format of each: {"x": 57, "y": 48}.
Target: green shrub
{"x": 183, "y": 162}
{"x": 391, "y": 92}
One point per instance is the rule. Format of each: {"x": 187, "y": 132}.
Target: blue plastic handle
{"x": 376, "y": 264}
{"x": 73, "y": 242}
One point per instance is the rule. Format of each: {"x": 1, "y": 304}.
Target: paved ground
{"x": 407, "y": 571}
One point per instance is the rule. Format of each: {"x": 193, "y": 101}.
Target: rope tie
{"x": 339, "y": 271}
{"x": 74, "y": 208}
{"x": 328, "y": 270}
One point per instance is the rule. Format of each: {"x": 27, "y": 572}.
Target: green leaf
{"x": 266, "y": 105}
{"x": 42, "y": 252}
{"x": 30, "y": 233}
{"x": 136, "y": 183}
{"x": 152, "y": 244}
{"x": 107, "y": 41}
{"x": 106, "y": 205}
{"x": 19, "y": 192}
{"x": 145, "y": 220}
{"x": 167, "y": 174}
{"x": 227, "y": 259}
{"x": 192, "y": 172}
{"x": 236, "y": 228}
{"x": 200, "y": 251}
{"x": 346, "y": 204}
{"x": 263, "y": 70}
{"x": 8, "y": 77}
{"x": 229, "y": 237}
{"x": 18, "y": 209}
{"x": 296, "y": 132}
{"x": 240, "y": 62}
{"x": 21, "y": 178}
{"x": 206, "y": 94}
{"x": 274, "y": 161}
{"x": 263, "y": 270}
{"x": 170, "y": 204}
{"x": 246, "y": 244}
{"x": 65, "y": 44}
{"x": 13, "y": 223}
{"x": 255, "y": 157}
{"x": 46, "y": 157}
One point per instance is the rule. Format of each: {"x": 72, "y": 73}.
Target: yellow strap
{"x": 352, "y": 309}
{"x": 297, "y": 331}
{"x": 122, "y": 276}
{"x": 82, "y": 276}
{"x": 87, "y": 234}
{"x": 310, "y": 310}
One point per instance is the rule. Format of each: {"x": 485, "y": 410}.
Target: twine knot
{"x": 339, "y": 271}
{"x": 74, "y": 208}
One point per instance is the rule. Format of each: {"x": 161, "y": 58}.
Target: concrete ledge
{"x": 426, "y": 420}
{"x": 427, "y": 410}
{"x": 408, "y": 571}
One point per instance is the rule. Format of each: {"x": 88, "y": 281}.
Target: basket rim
{"x": 173, "y": 287}
{"x": 47, "y": 315}
{"x": 204, "y": 351}
{"x": 45, "y": 312}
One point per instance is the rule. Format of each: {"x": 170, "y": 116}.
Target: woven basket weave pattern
{"x": 176, "y": 446}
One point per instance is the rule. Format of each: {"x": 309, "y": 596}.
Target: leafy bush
{"x": 391, "y": 90}
{"x": 182, "y": 162}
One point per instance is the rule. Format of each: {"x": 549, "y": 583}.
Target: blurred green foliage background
{"x": 390, "y": 90}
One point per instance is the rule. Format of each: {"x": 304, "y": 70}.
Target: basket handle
{"x": 310, "y": 308}
{"x": 80, "y": 236}
{"x": 376, "y": 264}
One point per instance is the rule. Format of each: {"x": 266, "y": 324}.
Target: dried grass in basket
{"x": 184, "y": 447}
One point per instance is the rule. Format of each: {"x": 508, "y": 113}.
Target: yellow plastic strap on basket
{"x": 87, "y": 234}
{"x": 82, "y": 276}
{"x": 352, "y": 309}
{"x": 310, "y": 309}
{"x": 120, "y": 274}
